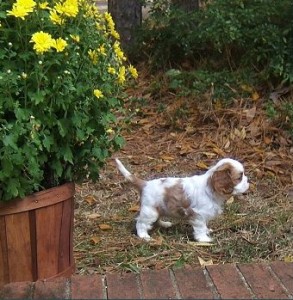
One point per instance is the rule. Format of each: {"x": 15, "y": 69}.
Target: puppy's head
{"x": 228, "y": 178}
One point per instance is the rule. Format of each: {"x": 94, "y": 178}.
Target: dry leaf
{"x": 200, "y": 244}
{"x": 105, "y": 227}
{"x": 156, "y": 242}
{"x": 167, "y": 157}
{"x": 205, "y": 263}
{"x": 219, "y": 151}
{"x": 90, "y": 199}
{"x": 250, "y": 114}
{"x": 95, "y": 240}
{"x": 288, "y": 258}
{"x": 94, "y": 216}
{"x": 134, "y": 208}
{"x": 202, "y": 165}
{"x": 230, "y": 200}
{"x": 255, "y": 96}
{"x": 267, "y": 140}
{"x": 246, "y": 88}
{"x": 209, "y": 154}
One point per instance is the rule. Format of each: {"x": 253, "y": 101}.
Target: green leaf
{"x": 13, "y": 186}
{"x": 48, "y": 141}
{"x": 10, "y": 141}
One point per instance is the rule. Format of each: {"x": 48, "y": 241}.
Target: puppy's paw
{"x": 165, "y": 224}
{"x": 145, "y": 236}
{"x": 204, "y": 239}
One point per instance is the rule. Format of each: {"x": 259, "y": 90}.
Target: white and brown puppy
{"x": 198, "y": 199}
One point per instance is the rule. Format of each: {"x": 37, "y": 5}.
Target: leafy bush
{"x": 254, "y": 34}
{"x": 61, "y": 72}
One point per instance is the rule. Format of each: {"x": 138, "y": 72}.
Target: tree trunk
{"x": 186, "y": 5}
{"x": 127, "y": 15}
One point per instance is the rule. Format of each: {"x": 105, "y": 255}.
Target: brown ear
{"x": 221, "y": 180}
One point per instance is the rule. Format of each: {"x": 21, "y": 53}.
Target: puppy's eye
{"x": 240, "y": 176}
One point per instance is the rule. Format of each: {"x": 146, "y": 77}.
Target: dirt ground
{"x": 171, "y": 135}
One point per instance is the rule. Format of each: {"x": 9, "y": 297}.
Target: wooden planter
{"x": 36, "y": 236}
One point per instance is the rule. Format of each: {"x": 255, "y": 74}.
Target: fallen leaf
{"x": 288, "y": 258}
{"x": 200, "y": 244}
{"x": 230, "y": 200}
{"x": 156, "y": 242}
{"x": 167, "y": 157}
{"x": 105, "y": 227}
{"x": 94, "y": 216}
{"x": 90, "y": 199}
{"x": 267, "y": 140}
{"x": 250, "y": 114}
{"x": 205, "y": 263}
{"x": 202, "y": 165}
{"x": 246, "y": 88}
{"x": 255, "y": 96}
{"x": 95, "y": 240}
{"x": 134, "y": 208}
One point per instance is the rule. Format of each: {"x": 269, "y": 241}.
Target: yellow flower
{"x": 102, "y": 49}
{"x": 132, "y": 70}
{"x": 43, "y": 5}
{"x": 115, "y": 34}
{"x": 55, "y": 17}
{"x": 43, "y": 42}
{"x": 60, "y": 44}
{"x": 76, "y": 38}
{"x": 21, "y": 8}
{"x": 68, "y": 8}
{"x": 98, "y": 93}
{"x": 119, "y": 53}
{"x": 93, "y": 56}
{"x": 110, "y": 130}
{"x": 121, "y": 75}
{"x": 111, "y": 70}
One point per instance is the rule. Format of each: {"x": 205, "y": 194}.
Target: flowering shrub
{"x": 61, "y": 73}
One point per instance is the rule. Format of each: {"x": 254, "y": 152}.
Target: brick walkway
{"x": 246, "y": 281}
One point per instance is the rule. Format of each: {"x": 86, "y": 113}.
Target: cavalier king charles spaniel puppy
{"x": 198, "y": 199}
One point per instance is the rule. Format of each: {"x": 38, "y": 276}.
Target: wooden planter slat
{"x": 48, "y": 224}
{"x": 19, "y": 247}
{"x": 37, "y": 243}
{"x": 66, "y": 245}
{"x": 4, "y": 274}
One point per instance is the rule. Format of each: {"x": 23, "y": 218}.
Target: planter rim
{"x": 39, "y": 199}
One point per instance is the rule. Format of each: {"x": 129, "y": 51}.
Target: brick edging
{"x": 273, "y": 280}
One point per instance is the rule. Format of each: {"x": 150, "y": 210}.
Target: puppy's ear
{"x": 221, "y": 180}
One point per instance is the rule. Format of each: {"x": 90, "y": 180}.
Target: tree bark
{"x": 127, "y": 15}
{"x": 186, "y": 5}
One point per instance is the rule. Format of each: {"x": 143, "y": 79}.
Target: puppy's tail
{"x": 137, "y": 182}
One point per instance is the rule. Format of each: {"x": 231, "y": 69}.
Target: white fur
{"x": 205, "y": 203}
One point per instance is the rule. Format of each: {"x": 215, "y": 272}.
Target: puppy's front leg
{"x": 200, "y": 230}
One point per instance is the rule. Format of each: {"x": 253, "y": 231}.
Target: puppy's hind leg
{"x": 164, "y": 224}
{"x": 144, "y": 222}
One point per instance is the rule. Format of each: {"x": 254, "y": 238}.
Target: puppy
{"x": 198, "y": 199}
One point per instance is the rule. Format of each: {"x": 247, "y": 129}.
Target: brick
{"x": 49, "y": 289}
{"x": 157, "y": 285}
{"x": 192, "y": 283}
{"x": 228, "y": 282}
{"x": 284, "y": 271}
{"x": 16, "y": 290}
{"x": 122, "y": 286}
{"x": 262, "y": 282}
{"x": 87, "y": 287}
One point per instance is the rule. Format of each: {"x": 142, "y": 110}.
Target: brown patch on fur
{"x": 176, "y": 202}
{"x": 137, "y": 182}
{"x": 224, "y": 179}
